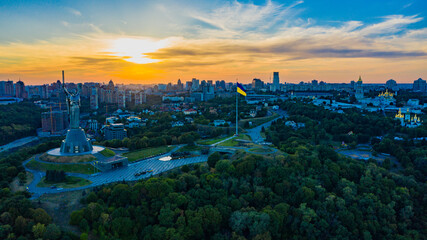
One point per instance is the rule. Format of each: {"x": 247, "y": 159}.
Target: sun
{"x": 134, "y": 49}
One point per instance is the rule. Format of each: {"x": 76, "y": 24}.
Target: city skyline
{"x": 159, "y": 42}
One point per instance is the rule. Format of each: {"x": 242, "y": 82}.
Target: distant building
{"x": 55, "y": 122}
{"x": 359, "y": 89}
{"x": 219, "y": 122}
{"x": 195, "y": 84}
{"x": 177, "y": 124}
{"x": 198, "y": 96}
{"x": 413, "y": 102}
{"x": 420, "y": 85}
{"x": 93, "y": 124}
{"x": 20, "y": 89}
{"x": 2, "y": 88}
{"x": 94, "y": 98}
{"x": 190, "y": 112}
{"x": 140, "y": 98}
{"x": 121, "y": 100}
{"x": 276, "y": 81}
{"x": 257, "y": 84}
{"x": 406, "y": 120}
{"x": 115, "y": 131}
{"x": 9, "y": 90}
{"x": 391, "y": 84}
{"x": 172, "y": 99}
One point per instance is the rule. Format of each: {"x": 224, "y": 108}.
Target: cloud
{"x": 233, "y": 39}
{"x": 235, "y": 19}
{"x": 75, "y": 12}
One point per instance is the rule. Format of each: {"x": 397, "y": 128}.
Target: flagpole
{"x": 237, "y": 112}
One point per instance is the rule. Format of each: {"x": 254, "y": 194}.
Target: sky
{"x": 146, "y": 42}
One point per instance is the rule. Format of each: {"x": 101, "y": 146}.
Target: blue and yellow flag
{"x": 241, "y": 89}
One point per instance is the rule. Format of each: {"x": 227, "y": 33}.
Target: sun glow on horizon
{"x": 135, "y": 49}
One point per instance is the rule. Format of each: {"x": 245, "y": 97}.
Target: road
{"x": 120, "y": 174}
{"x": 18, "y": 143}
{"x": 255, "y": 133}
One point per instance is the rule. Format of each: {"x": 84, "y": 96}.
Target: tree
{"x": 52, "y": 232}
{"x": 39, "y": 230}
{"x": 41, "y": 216}
{"x": 213, "y": 159}
{"x": 22, "y": 177}
{"x": 84, "y": 225}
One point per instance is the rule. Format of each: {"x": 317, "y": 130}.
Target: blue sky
{"x": 159, "y": 40}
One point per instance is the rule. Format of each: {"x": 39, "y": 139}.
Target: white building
{"x": 219, "y": 122}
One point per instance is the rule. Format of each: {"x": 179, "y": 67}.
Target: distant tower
{"x": 94, "y": 98}
{"x": 359, "y": 89}
{"x": 276, "y": 81}
{"x": 20, "y": 89}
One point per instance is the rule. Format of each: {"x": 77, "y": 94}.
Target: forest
{"x": 20, "y": 219}
{"x": 311, "y": 194}
{"x": 18, "y": 120}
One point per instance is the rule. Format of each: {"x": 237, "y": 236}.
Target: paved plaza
{"x": 116, "y": 175}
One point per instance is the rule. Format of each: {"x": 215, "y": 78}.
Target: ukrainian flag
{"x": 241, "y": 89}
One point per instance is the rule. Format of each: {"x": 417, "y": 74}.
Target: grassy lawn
{"x": 260, "y": 150}
{"x": 212, "y": 141}
{"x": 70, "y": 182}
{"x": 75, "y": 168}
{"x": 107, "y": 152}
{"x": 69, "y": 159}
{"x": 258, "y": 121}
{"x": 232, "y": 142}
{"x": 147, "y": 152}
{"x": 189, "y": 148}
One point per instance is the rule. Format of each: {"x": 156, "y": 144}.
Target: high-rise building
{"x": 111, "y": 85}
{"x": 195, "y": 84}
{"x": 420, "y": 85}
{"x": 179, "y": 85}
{"x": 94, "y": 98}
{"x": 121, "y": 99}
{"x": 20, "y": 89}
{"x": 359, "y": 89}
{"x": 2, "y": 88}
{"x": 257, "y": 84}
{"x": 140, "y": 98}
{"x": 9, "y": 90}
{"x": 128, "y": 96}
{"x": 55, "y": 122}
{"x": 276, "y": 81}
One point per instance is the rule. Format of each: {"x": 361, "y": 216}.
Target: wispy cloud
{"x": 75, "y": 12}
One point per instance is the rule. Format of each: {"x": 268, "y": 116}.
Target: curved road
{"x": 255, "y": 133}
{"x": 116, "y": 175}
{"x": 128, "y": 173}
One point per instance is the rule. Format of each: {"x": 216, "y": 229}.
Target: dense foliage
{"x": 18, "y": 120}
{"x": 312, "y": 194}
{"x": 19, "y": 219}
{"x": 309, "y": 192}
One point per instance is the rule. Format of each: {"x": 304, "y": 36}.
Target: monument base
{"x": 57, "y": 152}
{"x": 76, "y": 142}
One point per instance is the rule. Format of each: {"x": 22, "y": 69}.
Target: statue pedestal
{"x": 76, "y": 142}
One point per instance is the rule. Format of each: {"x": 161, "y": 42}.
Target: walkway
{"x": 117, "y": 175}
{"x": 255, "y": 133}
{"x": 18, "y": 143}
{"x": 213, "y": 145}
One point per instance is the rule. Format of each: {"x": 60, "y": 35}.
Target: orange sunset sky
{"x": 147, "y": 42}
